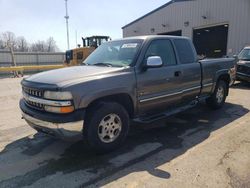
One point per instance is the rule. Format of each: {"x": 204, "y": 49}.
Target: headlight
{"x": 57, "y": 95}
{"x": 59, "y": 110}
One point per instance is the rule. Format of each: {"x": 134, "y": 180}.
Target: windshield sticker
{"x": 129, "y": 45}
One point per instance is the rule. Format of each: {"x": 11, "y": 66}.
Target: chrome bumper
{"x": 67, "y": 131}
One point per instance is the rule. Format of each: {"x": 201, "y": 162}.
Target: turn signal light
{"x": 67, "y": 109}
{"x": 59, "y": 110}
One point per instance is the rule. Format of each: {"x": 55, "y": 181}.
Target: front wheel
{"x": 107, "y": 126}
{"x": 218, "y": 98}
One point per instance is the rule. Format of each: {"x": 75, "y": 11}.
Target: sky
{"x": 40, "y": 19}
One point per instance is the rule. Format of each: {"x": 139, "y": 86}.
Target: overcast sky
{"x": 40, "y": 19}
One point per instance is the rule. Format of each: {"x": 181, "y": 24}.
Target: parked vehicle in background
{"x": 142, "y": 79}
{"x": 243, "y": 65}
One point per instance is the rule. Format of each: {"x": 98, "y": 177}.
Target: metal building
{"x": 217, "y": 27}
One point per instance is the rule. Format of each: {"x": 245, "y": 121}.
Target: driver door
{"x": 159, "y": 89}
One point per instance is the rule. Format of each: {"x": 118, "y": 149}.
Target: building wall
{"x": 236, "y": 13}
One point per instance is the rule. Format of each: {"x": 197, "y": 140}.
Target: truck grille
{"x": 35, "y": 93}
{"x": 243, "y": 69}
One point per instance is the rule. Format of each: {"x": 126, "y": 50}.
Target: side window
{"x": 185, "y": 51}
{"x": 164, "y": 49}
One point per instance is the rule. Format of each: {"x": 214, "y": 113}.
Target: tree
{"x": 9, "y": 39}
{"x": 51, "y": 45}
{"x": 22, "y": 45}
{"x": 2, "y": 46}
{"x": 38, "y": 46}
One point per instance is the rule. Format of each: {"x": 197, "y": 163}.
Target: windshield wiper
{"x": 103, "y": 64}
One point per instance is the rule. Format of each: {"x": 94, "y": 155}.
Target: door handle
{"x": 177, "y": 73}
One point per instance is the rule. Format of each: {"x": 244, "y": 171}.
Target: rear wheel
{"x": 107, "y": 126}
{"x": 218, "y": 98}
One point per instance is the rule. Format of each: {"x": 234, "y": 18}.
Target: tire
{"x": 106, "y": 127}
{"x": 218, "y": 98}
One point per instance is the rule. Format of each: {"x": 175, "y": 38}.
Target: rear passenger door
{"x": 159, "y": 89}
{"x": 190, "y": 69}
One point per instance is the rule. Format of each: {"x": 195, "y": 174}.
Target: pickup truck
{"x": 139, "y": 79}
{"x": 243, "y": 65}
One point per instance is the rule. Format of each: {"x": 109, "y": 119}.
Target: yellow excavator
{"x": 78, "y": 55}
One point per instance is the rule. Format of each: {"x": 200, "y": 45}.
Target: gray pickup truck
{"x": 140, "y": 79}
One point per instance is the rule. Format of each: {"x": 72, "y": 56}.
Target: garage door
{"x": 172, "y": 33}
{"x": 211, "y": 42}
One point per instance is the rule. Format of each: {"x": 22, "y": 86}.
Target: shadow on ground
{"x": 178, "y": 133}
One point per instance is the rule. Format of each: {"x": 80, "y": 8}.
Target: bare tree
{"x": 9, "y": 39}
{"x": 22, "y": 45}
{"x": 51, "y": 44}
{"x": 2, "y": 46}
{"x": 38, "y": 46}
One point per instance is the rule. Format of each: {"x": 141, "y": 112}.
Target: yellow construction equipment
{"x": 78, "y": 55}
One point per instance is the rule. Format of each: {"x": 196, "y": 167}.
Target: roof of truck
{"x": 146, "y": 37}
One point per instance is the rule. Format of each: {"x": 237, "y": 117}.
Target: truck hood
{"x": 65, "y": 75}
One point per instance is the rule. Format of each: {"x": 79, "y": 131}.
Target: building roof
{"x": 155, "y": 10}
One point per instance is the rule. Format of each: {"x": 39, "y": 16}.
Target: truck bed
{"x": 210, "y": 69}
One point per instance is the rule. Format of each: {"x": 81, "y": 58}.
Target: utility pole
{"x": 76, "y": 39}
{"x": 67, "y": 21}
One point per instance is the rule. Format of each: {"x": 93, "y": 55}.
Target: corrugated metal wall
{"x": 30, "y": 58}
{"x": 236, "y": 13}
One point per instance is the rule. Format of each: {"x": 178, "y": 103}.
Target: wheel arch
{"x": 224, "y": 77}
{"x": 123, "y": 99}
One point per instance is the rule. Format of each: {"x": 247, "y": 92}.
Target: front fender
{"x": 88, "y": 98}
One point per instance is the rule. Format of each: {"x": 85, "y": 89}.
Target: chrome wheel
{"x": 109, "y": 128}
{"x": 220, "y": 94}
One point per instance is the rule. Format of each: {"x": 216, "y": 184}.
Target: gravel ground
{"x": 197, "y": 148}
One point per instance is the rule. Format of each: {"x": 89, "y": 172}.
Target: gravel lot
{"x": 197, "y": 148}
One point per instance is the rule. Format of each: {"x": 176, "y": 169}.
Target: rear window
{"x": 185, "y": 51}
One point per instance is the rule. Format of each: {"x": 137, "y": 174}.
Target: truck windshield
{"x": 245, "y": 54}
{"x": 114, "y": 53}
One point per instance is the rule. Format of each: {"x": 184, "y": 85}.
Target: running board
{"x": 163, "y": 115}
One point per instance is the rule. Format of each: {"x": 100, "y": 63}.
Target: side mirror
{"x": 154, "y": 62}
